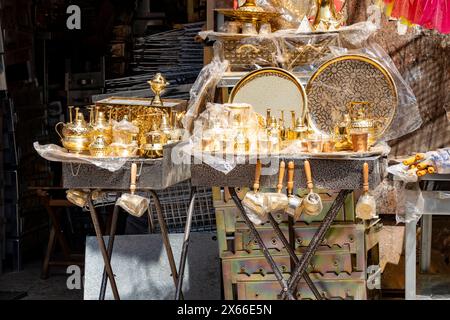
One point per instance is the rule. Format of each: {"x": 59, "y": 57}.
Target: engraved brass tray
{"x": 346, "y": 79}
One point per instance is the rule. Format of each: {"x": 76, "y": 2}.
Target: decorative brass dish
{"x": 273, "y": 88}
{"x": 249, "y": 12}
{"x": 346, "y": 79}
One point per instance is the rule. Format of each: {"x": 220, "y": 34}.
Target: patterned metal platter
{"x": 351, "y": 78}
{"x": 272, "y": 88}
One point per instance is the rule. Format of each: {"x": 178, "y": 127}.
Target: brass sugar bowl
{"x": 75, "y": 135}
{"x": 99, "y": 147}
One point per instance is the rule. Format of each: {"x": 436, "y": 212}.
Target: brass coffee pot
{"x": 75, "y": 135}
{"x": 326, "y": 17}
{"x": 102, "y": 127}
{"x": 158, "y": 84}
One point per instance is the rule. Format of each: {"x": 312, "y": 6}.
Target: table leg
{"x": 165, "y": 237}
{"x": 293, "y": 256}
{"x": 187, "y": 232}
{"x": 425, "y": 242}
{"x": 112, "y": 235}
{"x": 410, "y": 259}
{"x": 48, "y": 254}
{"x": 305, "y": 260}
{"x": 101, "y": 244}
{"x": 265, "y": 250}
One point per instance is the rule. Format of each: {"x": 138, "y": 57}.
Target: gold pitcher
{"x": 102, "y": 127}
{"x": 75, "y": 135}
{"x": 327, "y": 16}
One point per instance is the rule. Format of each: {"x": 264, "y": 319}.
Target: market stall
{"x": 303, "y": 222}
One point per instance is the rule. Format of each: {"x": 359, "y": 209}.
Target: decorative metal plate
{"x": 346, "y": 79}
{"x": 272, "y": 88}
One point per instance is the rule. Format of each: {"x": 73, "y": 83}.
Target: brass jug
{"x": 326, "y": 16}
{"x": 102, "y": 127}
{"x": 75, "y": 136}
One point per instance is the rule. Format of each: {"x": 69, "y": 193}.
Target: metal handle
{"x": 366, "y": 177}
{"x": 133, "y": 178}
{"x": 290, "y": 183}
{"x": 257, "y": 176}
{"x": 57, "y": 131}
{"x": 281, "y": 176}
{"x": 308, "y": 174}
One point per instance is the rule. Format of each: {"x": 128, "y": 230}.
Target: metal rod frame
{"x": 112, "y": 235}
{"x": 265, "y": 250}
{"x": 166, "y": 240}
{"x": 184, "y": 251}
{"x": 300, "y": 268}
{"x": 101, "y": 244}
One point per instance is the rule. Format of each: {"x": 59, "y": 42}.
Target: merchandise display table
{"x": 153, "y": 175}
{"x": 332, "y": 174}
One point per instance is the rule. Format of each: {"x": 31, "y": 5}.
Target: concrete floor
{"x": 29, "y": 281}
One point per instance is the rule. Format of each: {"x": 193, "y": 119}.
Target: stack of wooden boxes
{"x": 339, "y": 269}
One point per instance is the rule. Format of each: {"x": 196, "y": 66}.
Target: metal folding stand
{"x": 347, "y": 176}
{"x": 107, "y": 252}
{"x": 184, "y": 251}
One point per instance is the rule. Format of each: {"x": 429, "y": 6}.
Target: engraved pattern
{"x": 346, "y": 79}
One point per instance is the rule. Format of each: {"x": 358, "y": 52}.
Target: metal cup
{"x": 360, "y": 141}
{"x": 133, "y": 204}
{"x": 130, "y": 202}
{"x": 366, "y": 208}
{"x": 255, "y": 203}
{"x": 312, "y": 203}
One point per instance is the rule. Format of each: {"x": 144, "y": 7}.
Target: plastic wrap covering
{"x": 52, "y": 152}
{"x": 290, "y": 49}
{"x": 441, "y": 160}
{"x": 293, "y": 11}
{"x": 401, "y": 198}
{"x": 203, "y": 90}
{"x": 407, "y": 116}
{"x": 223, "y": 133}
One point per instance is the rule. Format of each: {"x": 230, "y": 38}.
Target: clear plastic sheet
{"x": 407, "y": 118}
{"x": 52, "y": 152}
{"x": 202, "y": 91}
{"x": 216, "y": 137}
{"x": 290, "y": 49}
{"x": 293, "y": 11}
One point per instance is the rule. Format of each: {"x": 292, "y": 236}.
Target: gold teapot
{"x": 158, "y": 84}
{"x": 75, "y": 135}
